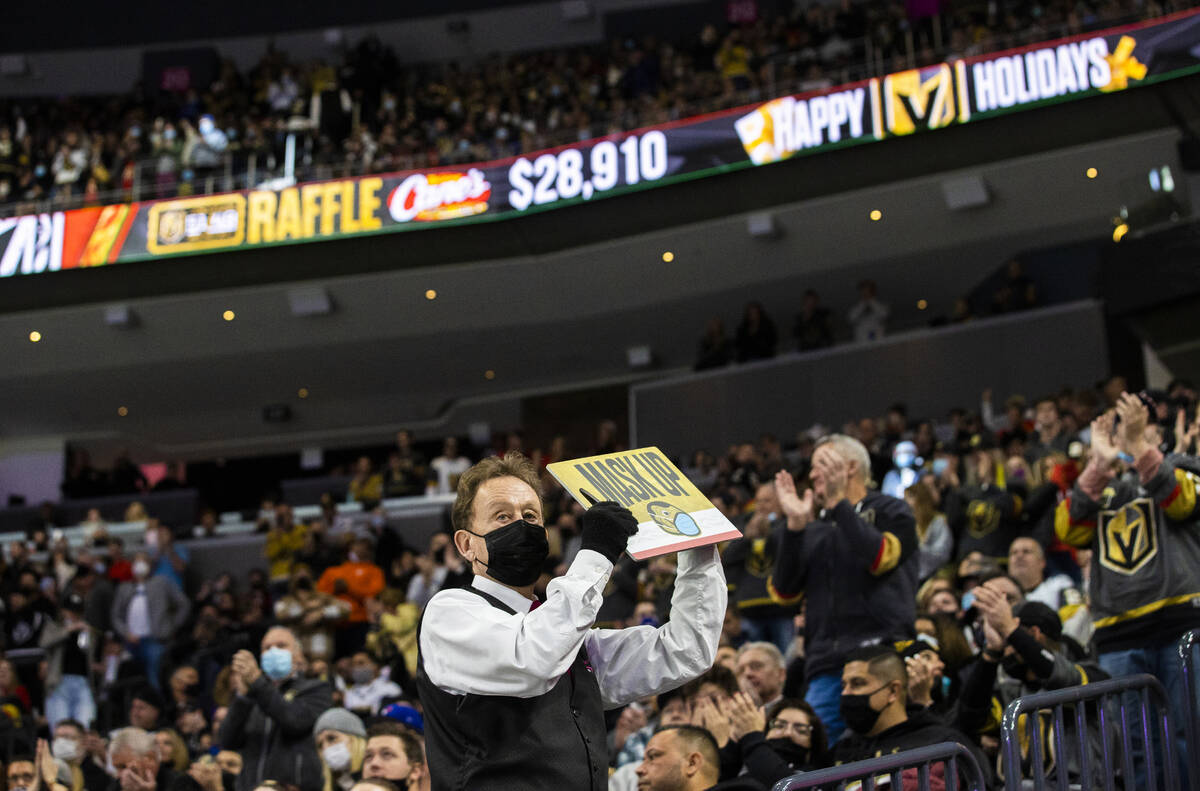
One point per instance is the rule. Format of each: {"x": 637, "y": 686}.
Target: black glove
{"x": 607, "y": 528}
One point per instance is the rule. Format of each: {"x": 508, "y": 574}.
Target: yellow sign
{"x": 919, "y": 99}
{"x": 191, "y": 224}
{"x": 672, "y": 513}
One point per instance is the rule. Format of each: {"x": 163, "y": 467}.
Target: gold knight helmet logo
{"x": 1128, "y": 537}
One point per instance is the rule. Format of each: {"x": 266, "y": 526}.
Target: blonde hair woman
{"x": 341, "y": 742}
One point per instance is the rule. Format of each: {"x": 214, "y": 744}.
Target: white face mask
{"x": 141, "y": 569}
{"x": 337, "y": 757}
{"x": 64, "y": 748}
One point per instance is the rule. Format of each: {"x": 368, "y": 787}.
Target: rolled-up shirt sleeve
{"x": 470, "y": 647}
{"x": 643, "y": 660}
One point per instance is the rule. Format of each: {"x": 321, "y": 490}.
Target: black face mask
{"x": 193, "y": 690}
{"x": 303, "y": 584}
{"x": 1014, "y": 666}
{"x": 857, "y": 712}
{"x": 788, "y": 750}
{"x": 516, "y": 553}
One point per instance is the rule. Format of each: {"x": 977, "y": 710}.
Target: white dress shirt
{"x": 138, "y": 614}
{"x": 470, "y": 647}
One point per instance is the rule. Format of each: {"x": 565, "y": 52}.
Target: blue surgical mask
{"x": 277, "y": 663}
{"x": 968, "y": 600}
{"x": 940, "y": 465}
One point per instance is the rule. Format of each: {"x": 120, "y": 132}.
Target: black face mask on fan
{"x": 516, "y": 553}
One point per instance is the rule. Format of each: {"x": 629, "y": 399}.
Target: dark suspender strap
{"x": 492, "y": 600}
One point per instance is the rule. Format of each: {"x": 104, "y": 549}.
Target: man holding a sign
{"x": 514, "y": 689}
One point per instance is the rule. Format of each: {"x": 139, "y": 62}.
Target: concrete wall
{"x": 931, "y": 371}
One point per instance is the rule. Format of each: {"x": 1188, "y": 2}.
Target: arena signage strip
{"x": 904, "y": 103}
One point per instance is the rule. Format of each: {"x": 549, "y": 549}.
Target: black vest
{"x": 555, "y": 741}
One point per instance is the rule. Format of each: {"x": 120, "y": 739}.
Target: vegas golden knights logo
{"x": 919, "y": 99}
{"x": 171, "y": 227}
{"x": 982, "y": 518}
{"x": 1128, "y": 537}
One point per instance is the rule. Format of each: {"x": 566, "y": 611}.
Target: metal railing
{"x": 954, "y": 758}
{"x": 1115, "y": 728}
{"x": 1189, "y": 645}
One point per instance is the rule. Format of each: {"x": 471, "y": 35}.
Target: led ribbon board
{"x": 904, "y": 103}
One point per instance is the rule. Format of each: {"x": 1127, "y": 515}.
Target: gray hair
{"x": 137, "y": 741}
{"x": 770, "y": 649}
{"x": 851, "y": 450}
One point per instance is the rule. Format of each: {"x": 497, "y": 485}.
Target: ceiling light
{"x": 876, "y": 215}
{"x": 228, "y": 315}
{"x": 122, "y": 411}
{"x": 302, "y": 392}
{"x": 35, "y": 336}
{"x": 922, "y": 304}
{"x": 489, "y": 374}
{"x": 431, "y": 294}
{"x": 1092, "y": 173}
{"x": 668, "y": 257}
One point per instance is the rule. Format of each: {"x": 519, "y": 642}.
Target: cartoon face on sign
{"x": 671, "y": 519}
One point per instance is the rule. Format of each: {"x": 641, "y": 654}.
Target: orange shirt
{"x": 363, "y": 581}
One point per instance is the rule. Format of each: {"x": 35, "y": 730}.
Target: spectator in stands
{"x": 183, "y": 691}
{"x": 1027, "y": 565}
{"x": 147, "y": 612}
{"x": 761, "y": 672}
{"x": 72, "y": 647}
{"x": 1023, "y": 654}
{"x": 271, "y": 720}
{"x": 1143, "y": 591}
{"x": 406, "y": 476}
{"x": 394, "y": 753}
{"x": 448, "y": 467}
{"x": 775, "y": 742}
{"x": 173, "y": 479}
{"x": 431, "y": 572}
{"x": 936, "y": 542}
{"x": 145, "y": 708}
{"x": 120, "y": 569}
{"x": 874, "y": 706}
{"x": 1018, "y": 291}
{"x": 814, "y": 324}
{"x": 366, "y": 486}
{"x": 868, "y": 317}
{"x": 1049, "y": 435}
{"x": 171, "y": 749}
{"x": 748, "y": 562}
{"x": 170, "y": 560}
{"x": 354, "y": 582}
{"x": 69, "y": 746}
{"x": 985, "y": 513}
{"x": 395, "y": 641}
{"x": 341, "y": 741}
{"x": 685, "y": 758}
{"x": 756, "y": 337}
{"x": 370, "y": 688}
{"x": 862, "y": 588}
{"x": 311, "y": 615}
{"x": 284, "y": 540}
{"x": 126, "y": 477}
{"x": 135, "y": 759}
{"x": 716, "y": 349}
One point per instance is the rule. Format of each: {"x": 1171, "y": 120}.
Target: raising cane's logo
{"x": 440, "y": 196}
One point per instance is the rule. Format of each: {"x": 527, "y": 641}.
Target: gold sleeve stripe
{"x": 1145, "y": 609}
{"x": 1182, "y": 500}
{"x": 889, "y": 555}
{"x": 1077, "y": 534}
{"x": 780, "y": 598}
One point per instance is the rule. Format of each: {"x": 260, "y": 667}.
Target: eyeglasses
{"x": 801, "y": 728}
